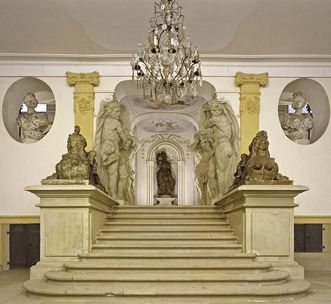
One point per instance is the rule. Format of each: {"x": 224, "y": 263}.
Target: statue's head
{"x": 30, "y": 101}
{"x": 77, "y": 130}
{"x": 112, "y": 107}
{"x": 298, "y": 101}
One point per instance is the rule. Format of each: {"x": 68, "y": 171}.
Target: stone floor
{"x": 12, "y": 292}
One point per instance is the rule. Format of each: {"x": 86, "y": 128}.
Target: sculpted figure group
{"x": 258, "y": 167}
{"x": 217, "y": 147}
{"x": 115, "y": 148}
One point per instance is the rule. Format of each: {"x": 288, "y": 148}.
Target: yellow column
{"x": 249, "y": 105}
{"x": 84, "y": 102}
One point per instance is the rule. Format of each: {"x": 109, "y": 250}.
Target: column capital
{"x": 260, "y": 79}
{"x": 91, "y": 78}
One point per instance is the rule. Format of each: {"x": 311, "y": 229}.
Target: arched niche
{"x": 177, "y": 158}
{"x": 13, "y": 101}
{"x": 317, "y": 100}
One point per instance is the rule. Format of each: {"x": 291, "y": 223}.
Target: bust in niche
{"x": 34, "y": 125}
{"x": 298, "y": 125}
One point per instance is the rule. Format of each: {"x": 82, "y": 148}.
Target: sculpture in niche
{"x": 297, "y": 126}
{"x": 220, "y": 123}
{"x": 205, "y": 170}
{"x": 115, "y": 148}
{"x": 34, "y": 126}
{"x": 77, "y": 166}
{"x": 258, "y": 167}
{"x": 165, "y": 180}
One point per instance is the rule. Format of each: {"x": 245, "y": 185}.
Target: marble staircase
{"x": 166, "y": 255}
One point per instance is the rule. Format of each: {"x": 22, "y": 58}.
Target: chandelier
{"x": 168, "y": 68}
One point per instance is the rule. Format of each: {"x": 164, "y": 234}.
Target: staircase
{"x": 166, "y": 255}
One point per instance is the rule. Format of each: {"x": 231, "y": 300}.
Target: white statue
{"x": 115, "y": 149}
{"x": 33, "y": 125}
{"x": 220, "y": 122}
{"x": 205, "y": 170}
{"x": 128, "y": 148}
{"x": 297, "y": 126}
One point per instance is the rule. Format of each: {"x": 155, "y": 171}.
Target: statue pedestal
{"x": 165, "y": 201}
{"x": 262, "y": 217}
{"x": 70, "y": 218}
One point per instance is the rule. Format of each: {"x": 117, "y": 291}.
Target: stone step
{"x": 180, "y": 292}
{"x": 175, "y": 268}
{"x": 169, "y": 251}
{"x": 166, "y": 228}
{"x": 194, "y": 264}
{"x": 167, "y": 216}
{"x": 165, "y": 234}
{"x": 157, "y": 277}
{"x": 162, "y": 210}
{"x": 165, "y": 224}
{"x": 170, "y": 220}
{"x": 162, "y": 246}
{"x": 166, "y": 242}
{"x": 213, "y": 258}
{"x": 159, "y": 208}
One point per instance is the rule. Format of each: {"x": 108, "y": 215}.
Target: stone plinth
{"x": 70, "y": 218}
{"x": 165, "y": 201}
{"x": 262, "y": 217}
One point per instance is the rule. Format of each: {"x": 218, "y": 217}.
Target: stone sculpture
{"x": 77, "y": 166}
{"x": 258, "y": 167}
{"x": 115, "y": 148}
{"x": 221, "y": 125}
{"x": 33, "y": 125}
{"x": 205, "y": 170}
{"x": 297, "y": 126}
{"x": 165, "y": 180}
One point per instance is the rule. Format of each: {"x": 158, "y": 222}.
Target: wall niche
{"x": 304, "y": 111}
{"x": 28, "y": 110}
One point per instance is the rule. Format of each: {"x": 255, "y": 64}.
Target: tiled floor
{"x": 12, "y": 291}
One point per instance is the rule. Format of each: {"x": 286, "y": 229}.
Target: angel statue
{"x": 221, "y": 123}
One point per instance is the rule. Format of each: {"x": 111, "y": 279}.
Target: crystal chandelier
{"x": 168, "y": 68}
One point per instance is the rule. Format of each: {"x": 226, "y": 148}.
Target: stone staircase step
{"x": 168, "y": 257}
{"x": 165, "y": 230}
{"x": 165, "y": 246}
{"x": 165, "y": 234}
{"x": 172, "y": 290}
{"x": 167, "y": 224}
{"x": 153, "y": 242}
{"x": 175, "y": 268}
{"x": 168, "y": 251}
{"x": 169, "y": 215}
{"x": 172, "y": 221}
{"x": 165, "y": 209}
{"x": 265, "y": 278}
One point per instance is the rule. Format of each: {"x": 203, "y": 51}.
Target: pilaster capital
{"x": 260, "y": 79}
{"x": 91, "y": 78}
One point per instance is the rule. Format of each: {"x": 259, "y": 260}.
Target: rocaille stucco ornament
{"x": 258, "y": 167}
{"x": 77, "y": 166}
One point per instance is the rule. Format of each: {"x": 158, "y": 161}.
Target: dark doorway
{"x": 308, "y": 237}
{"x": 24, "y": 244}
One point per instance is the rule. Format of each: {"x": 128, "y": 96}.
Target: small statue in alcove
{"x": 33, "y": 125}
{"x": 165, "y": 180}
{"x": 298, "y": 126}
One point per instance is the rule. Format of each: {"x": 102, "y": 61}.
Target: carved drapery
{"x": 84, "y": 84}
{"x": 249, "y": 105}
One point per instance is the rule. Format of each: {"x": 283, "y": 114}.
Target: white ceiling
{"x": 226, "y": 27}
